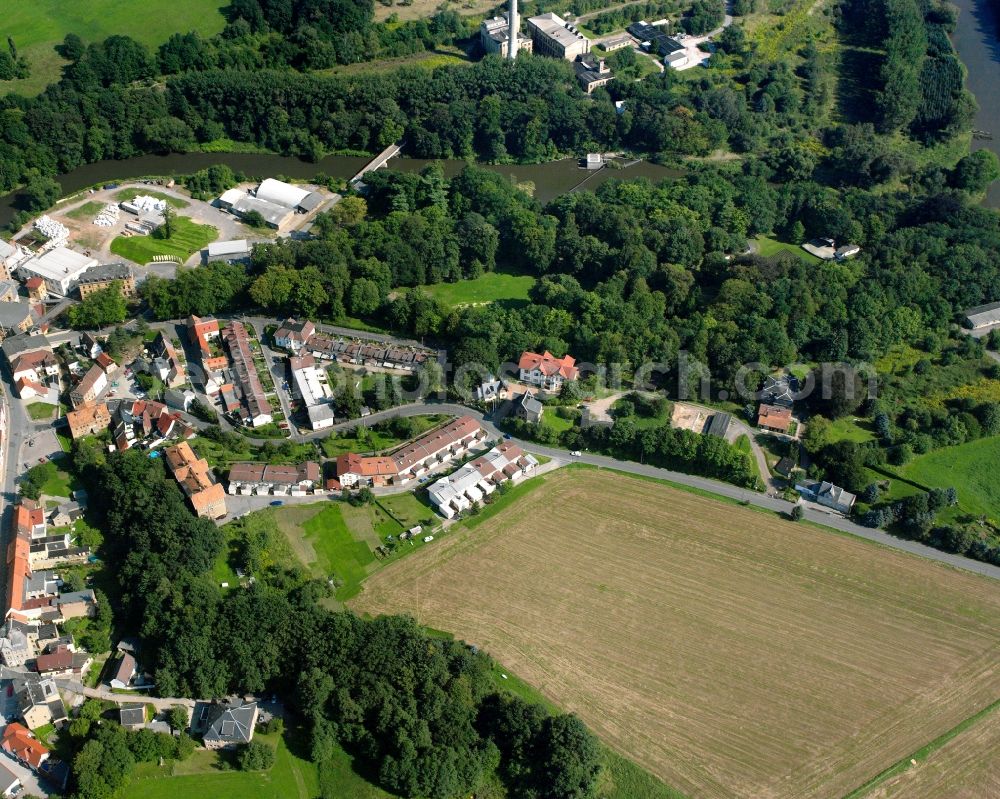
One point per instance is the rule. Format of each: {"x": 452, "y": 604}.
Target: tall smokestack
{"x": 513, "y": 24}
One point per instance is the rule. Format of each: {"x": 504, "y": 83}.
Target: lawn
{"x": 41, "y": 410}
{"x": 137, "y": 191}
{"x": 849, "y": 428}
{"x": 969, "y": 468}
{"x": 728, "y": 652}
{"x": 291, "y": 777}
{"x": 490, "y": 287}
{"x": 38, "y": 26}
{"x": 60, "y": 484}
{"x": 768, "y": 247}
{"x": 188, "y": 238}
{"x": 86, "y": 212}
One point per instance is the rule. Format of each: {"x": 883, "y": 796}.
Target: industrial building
{"x": 494, "y": 36}
{"x": 983, "y": 316}
{"x": 551, "y": 35}
{"x": 235, "y": 250}
{"x": 275, "y": 200}
{"x": 591, "y": 72}
{"x": 60, "y": 268}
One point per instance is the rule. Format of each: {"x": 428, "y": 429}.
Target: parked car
{"x": 428, "y": 539}
{"x": 576, "y": 453}
{"x": 277, "y": 503}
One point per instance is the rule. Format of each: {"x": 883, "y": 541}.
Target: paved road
{"x": 103, "y": 692}
{"x": 827, "y": 519}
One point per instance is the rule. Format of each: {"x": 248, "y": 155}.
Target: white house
{"x": 828, "y": 495}
{"x": 479, "y": 478}
{"x": 546, "y": 370}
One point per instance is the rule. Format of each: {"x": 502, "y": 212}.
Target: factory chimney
{"x": 513, "y": 25}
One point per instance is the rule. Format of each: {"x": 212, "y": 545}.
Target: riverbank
{"x": 550, "y": 179}
{"x": 977, "y": 41}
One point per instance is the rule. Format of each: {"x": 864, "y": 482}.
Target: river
{"x": 550, "y": 179}
{"x": 977, "y": 40}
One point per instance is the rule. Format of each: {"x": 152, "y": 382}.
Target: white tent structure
{"x": 281, "y": 193}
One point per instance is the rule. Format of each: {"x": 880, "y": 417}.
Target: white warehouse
{"x": 60, "y": 268}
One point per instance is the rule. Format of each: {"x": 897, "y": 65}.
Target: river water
{"x": 977, "y": 40}
{"x": 550, "y": 179}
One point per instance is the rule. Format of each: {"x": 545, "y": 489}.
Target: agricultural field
{"x": 728, "y": 652}
{"x": 188, "y": 237}
{"x": 963, "y": 768}
{"x": 970, "y": 468}
{"x": 38, "y": 26}
{"x": 490, "y": 287}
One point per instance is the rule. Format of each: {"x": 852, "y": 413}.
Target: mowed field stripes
{"x": 729, "y": 652}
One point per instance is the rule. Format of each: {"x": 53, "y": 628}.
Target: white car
{"x": 428, "y": 539}
{"x": 576, "y": 453}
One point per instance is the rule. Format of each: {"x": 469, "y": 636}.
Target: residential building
{"x": 77, "y": 604}
{"x": 194, "y": 476}
{"x": 90, "y": 346}
{"x": 124, "y": 671}
{"x": 293, "y": 335}
{"x": 24, "y": 747}
{"x": 718, "y": 425}
{"x": 263, "y": 478}
{"x": 774, "y": 417}
{"x": 36, "y": 288}
{"x": 15, "y": 645}
{"x": 10, "y": 783}
{"x": 59, "y": 267}
{"x": 527, "y": 408}
{"x": 204, "y": 334}
{"x": 179, "y": 400}
{"x": 90, "y": 387}
{"x": 547, "y": 371}
{"x": 225, "y": 726}
{"x": 785, "y": 466}
{"x": 8, "y": 290}
{"x": 29, "y": 592}
{"x": 38, "y": 701}
{"x": 256, "y": 407}
{"x": 88, "y": 420}
{"x": 983, "y": 316}
{"x": 65, "y": 514}
{"x": 780, "y": 391}
{"x": 132, "y": 717}
{"x": 828, "y": 495}
{"x": 494, "y": 37}
{"x": 39, "y": 366}
{"x": 107, "y": 363}
{"x": 103, "y": 276}
{"x": 591, "y": 72}
{"x": 479, "y": 478}
{"x": 162, "y": 348}
{"x": 60, "y": 660}
{"x": 15, "y": 317}
{"x": 412, "y": 460}
{"x": 11, "y": 255}
{"x": 147, "y": 422}
{"x": 551, "y": 35}
{"x": 492, "y": 390}
{"x": 14, "y": 346}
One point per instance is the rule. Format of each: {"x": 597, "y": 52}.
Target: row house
{"x": 263, "y": 478}
{"x": 479, "y": 478}
{"x": 256, "y": 408}
{"x": 412, "y": 460}
{"x": 90, "y": 387}
{"x": 324, "y": 347}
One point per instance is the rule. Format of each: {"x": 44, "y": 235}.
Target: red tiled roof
{"x": 548, "y": 364}
{"x": 18, "y": 740}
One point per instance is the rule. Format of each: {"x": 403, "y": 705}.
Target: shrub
{"x": 255, "y": 756}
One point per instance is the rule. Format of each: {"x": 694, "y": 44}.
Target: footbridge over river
{"x": 377, "y": 162}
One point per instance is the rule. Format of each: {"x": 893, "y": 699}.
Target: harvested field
{"x": 964, "y": 768}
{"x": 728, "y": 652}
